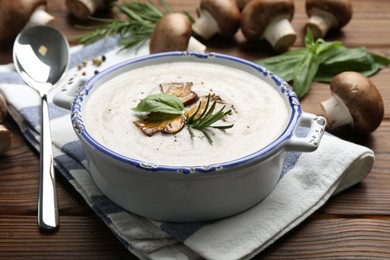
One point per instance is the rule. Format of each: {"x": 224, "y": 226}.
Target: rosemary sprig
{"x": 206, "y": 119}
{"x": 137, "y": 26}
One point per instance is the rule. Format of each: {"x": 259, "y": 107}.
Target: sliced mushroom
{"x": 356, "y": 102}
{"x": 82, "y": 9}
{"x": 217, "y": 17}
{"x": 327, "y": 14}
{"x": 170, "y": 126}
{"x": 182, "y": 90}
{"x": 269, "y": 19}
{"x": 173, "y": 32}
{"x": 17, "y": 14}
{"x": 219, "y": 104}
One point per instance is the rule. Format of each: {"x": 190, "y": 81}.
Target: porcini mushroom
{"x": 356, "y": 102}
{"x": 217, "y": 17}
{"x": 5, "y": 134}
{"x": 269, "y": 19}
{"x": 84, "y": 8}
{"x": 173, "y": 33}
{"x": 327, "y": 14}
{"x": 17, "y": 14}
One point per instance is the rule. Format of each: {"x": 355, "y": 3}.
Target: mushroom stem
{"x": 205, "y": 26}
{"x": 320, "y": 22}
{"x": 39, "y": 17}
{"x": 336, "y": 113}
{"x": 280, "y": 34}
{"x": 195, "y": 45}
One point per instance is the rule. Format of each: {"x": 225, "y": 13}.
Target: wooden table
{"x": 354, "y": 224}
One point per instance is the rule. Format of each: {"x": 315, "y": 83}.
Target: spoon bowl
{"x": 41, "y": 57}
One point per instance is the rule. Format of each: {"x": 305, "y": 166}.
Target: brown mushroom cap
{"x": 171, "y": 33}
{"x": 341, "y": 9}
{"x": 257, "y": 14}
{"x": 362, "y": 99}
{"x": 14, "y": 15}
{"x": 225, "y": 13}
{"x": 82, "y": 9}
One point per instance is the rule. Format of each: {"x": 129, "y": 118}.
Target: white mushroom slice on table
{"x": 327, "y": 14}
{"x": 269, "y": 20}
{"x": 355, "y": 102}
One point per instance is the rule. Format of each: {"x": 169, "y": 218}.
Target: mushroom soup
{"x": 260, "y": 114}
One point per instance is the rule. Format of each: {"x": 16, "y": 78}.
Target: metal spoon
{"x": 41, "y": 55}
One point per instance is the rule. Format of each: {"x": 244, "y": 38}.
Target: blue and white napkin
{"x": 308, "y": 179}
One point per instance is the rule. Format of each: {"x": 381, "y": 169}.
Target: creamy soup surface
{"x": 260, "y": 114}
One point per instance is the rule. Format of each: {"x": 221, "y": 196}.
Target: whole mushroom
{"x": 269, "y": 19}
{"x": 17, "y": 14}
{"x": 327, "y": 14}
{"x": 356, "y": 102}
{"x": 173, "y": 33}
{"x": 5, "y": 134}
{"x": 82, "y": 9}
{"x": 217, "y": 17}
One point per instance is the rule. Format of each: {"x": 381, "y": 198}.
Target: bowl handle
{"x": 307, "y": 134}
{"x": 65, "y": 97}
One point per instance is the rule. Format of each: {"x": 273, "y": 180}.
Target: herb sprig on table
{"x": 161, "y": 107}
{"x": 137, "y": 25}
{"x": 321, "y": 61}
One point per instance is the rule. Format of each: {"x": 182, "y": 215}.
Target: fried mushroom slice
{"x": 182, "y": 90}
{"x": 203, "y": 102}
{"x": 169, "y": 126}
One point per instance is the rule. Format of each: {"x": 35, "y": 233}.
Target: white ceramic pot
{"x": 187, "y": 194}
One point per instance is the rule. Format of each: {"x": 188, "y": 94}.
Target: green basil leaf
{"x": 358, "y": 59}
{"x": 309, "y": 40}
{"x": 304, "y": 74}
{"x": 380, "y": 61}
{"x": 283, "y": 65}
{"x": 160, "y": 103}
{"x": 324, "y": 47}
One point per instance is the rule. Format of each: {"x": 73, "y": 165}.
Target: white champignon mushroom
{"x": 17, "y": 14}
{"x": 269, "y": 19}
{"x": 355, "y": 102}
{"x": 217, "y": 17}
{"x": 173, "y": 33}
{"x": 327, "y": 14}
{"x": 82, "y": 9}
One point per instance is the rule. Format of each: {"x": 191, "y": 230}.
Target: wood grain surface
{"x": 353, "y": 225}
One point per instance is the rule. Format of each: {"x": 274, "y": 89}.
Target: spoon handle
{"x": 47, "y": 197}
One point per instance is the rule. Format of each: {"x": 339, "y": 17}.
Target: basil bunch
{"x": 321, "y": 61}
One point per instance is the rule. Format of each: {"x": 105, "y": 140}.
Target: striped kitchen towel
{"x": 308, "y": 179}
